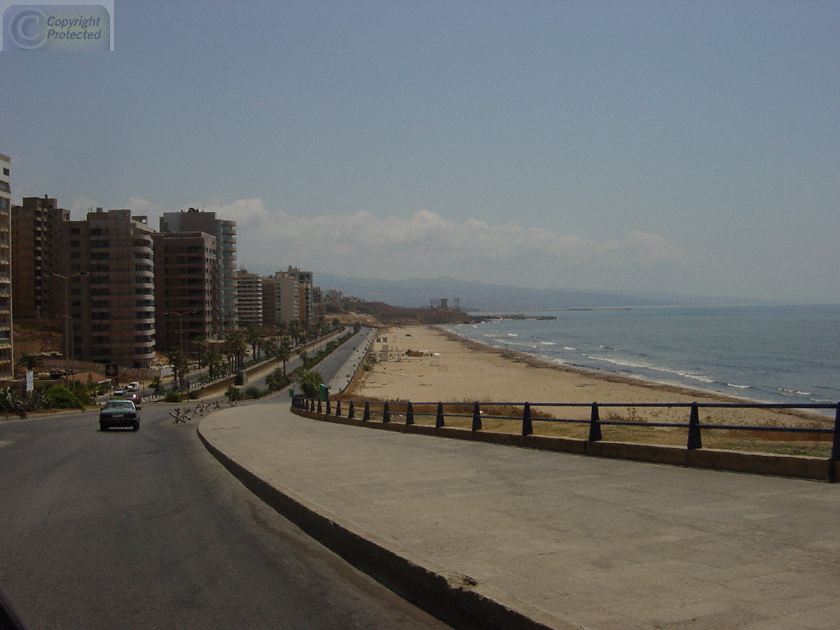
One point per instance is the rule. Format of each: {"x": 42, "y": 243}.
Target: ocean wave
{"x": 642, "y": 365}
{"x": 739, "y": 386}
{"x": 792, "y": 392}
{"x": 569, "y": 348}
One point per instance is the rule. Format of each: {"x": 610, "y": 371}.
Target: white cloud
{"x": 428, "y": 244}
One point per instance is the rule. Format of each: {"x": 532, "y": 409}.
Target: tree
{"x": 302, "y": 354}
{"x": 310, "y": 382}
{"x": 284, "y": 352}
{"x": 255, "y": 341}
{"x": 213, "y": 361}
{"x": 234, "y": 350}
{"x": 270, "y": 347}
{"x": 30, "y": 361}
{"x": 180, "y": 365}
{"x": 156, "y": 384}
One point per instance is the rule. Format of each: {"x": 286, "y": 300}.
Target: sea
{"x": 777, "y": 354}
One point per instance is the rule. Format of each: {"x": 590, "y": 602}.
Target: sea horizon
{"x": 775, "y": 353}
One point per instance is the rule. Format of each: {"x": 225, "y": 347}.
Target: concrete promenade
{"x": 503, "y": 537}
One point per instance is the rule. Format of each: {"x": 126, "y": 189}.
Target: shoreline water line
{"x": 759, "y": 354}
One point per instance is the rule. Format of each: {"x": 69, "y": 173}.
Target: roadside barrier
{"x": 407, "y": 413}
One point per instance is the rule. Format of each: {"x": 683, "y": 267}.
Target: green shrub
{"x": 233, "y": 394}
{"x": 172, "y": 397}
{"x": 254, "y": 392}
{"x": 60, "y": 397}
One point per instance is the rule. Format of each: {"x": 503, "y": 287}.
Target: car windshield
{"x": 119, "y": 404}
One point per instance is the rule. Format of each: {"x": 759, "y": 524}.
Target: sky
{"x": 679, "y": 147}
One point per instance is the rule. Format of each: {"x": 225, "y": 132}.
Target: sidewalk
{"x": 564, "y": 540}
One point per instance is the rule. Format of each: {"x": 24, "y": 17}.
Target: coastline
{"x": 431, "y": 364}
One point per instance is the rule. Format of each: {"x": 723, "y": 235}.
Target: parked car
{"x": 119, "y": 413}
{"x": 119, "y": 392}
{"x": 133, "y": 386}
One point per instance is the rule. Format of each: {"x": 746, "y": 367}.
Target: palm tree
{"x": 30, "y": 361}
{"x": 270, "y": 347}
{"x": 213, "y": 361}
{"x": 180, "y": 365}
{"x": 254, "y": 340}
{"x": 156, "y": 384}
{"x": 284, "y": 352}
{"x": 235, "y": 349}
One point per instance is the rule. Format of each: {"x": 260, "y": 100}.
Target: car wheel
{"x": 136, "y": 426}
{"x": 103, "y": 427}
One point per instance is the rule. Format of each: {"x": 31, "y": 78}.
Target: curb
{"x": 454, "y": 598}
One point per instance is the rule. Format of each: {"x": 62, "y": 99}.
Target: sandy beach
{"x": 428, "y": 364}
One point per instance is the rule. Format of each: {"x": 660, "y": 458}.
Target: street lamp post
{"x": 180, "y": 315}
{"x": 180, "y": 325}
{"x": 68, "y": 320}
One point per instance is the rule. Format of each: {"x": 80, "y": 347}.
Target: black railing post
{"x": 527, "y": 427}
{"x": 694, "y": 441}
{"x": 366, "y": 415}
{"x": 319, "y": 405}
{"x": 329, "y": 407}
{"x": 351, "y": 413}
{"x": 386, "y": 414}
{"x": 476, "y": 425}
{"x": 439, "y": 418}
{"x": 409, "y": 414}
{"x": 835, "y": 445}
{"x": 595, "y": 424}
{"x": 337, "y": 408}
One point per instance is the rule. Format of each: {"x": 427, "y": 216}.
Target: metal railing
{"x": 407, "y": 412}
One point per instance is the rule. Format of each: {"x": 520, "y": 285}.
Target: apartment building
{"x": 306, "y": 303}
{"x": 186, "y": 304}
{"x": 249, "y": 299}
{"x": 109, "y": 263}
{"x": 7, "y": 364}
{"x": 194, "y": 220}
{"x": 280, "y": 300}
{"x": 36, "y": 244}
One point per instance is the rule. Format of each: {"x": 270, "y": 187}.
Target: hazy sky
{"x": 689, "y": 147}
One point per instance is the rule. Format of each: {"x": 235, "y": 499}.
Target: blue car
{"x": 119, "y": 413}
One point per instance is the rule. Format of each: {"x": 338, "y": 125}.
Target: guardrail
{"x": 407, "y": 412}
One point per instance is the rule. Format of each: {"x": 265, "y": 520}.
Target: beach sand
{"x": 449, "y": 368}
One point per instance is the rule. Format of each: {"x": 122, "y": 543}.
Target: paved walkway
{"x": 567, "y": 540}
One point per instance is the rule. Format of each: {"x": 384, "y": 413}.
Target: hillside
{"x": 382, "y": 314}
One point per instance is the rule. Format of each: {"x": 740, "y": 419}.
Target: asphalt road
{"x": 146, "y": 530}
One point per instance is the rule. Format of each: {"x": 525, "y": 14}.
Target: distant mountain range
{"x": 477, "y": 296}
